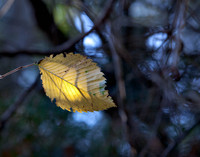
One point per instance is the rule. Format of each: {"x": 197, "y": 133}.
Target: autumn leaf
{"x": 75, "y": 82}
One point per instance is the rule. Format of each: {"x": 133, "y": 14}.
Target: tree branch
{"x": 178, "y": 25}
{"x": 123, "y": 113}
{"x": 5, "y": 117}
{"x": 15, "y": 70}
{"x": 65, "y": 47}
{"x": 171, "y": 147}
{"x": 107, "y": 9}
{"x": 6, "y": 7}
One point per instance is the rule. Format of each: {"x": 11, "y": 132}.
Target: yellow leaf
{"x": 75, "y": 82}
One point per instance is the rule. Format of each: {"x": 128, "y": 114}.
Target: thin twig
{"x": 178, "y": 25}
{"x": 122, "y": 93}
{"x": 15, "y": 70}
{"x": 171, "y": 147}
{"x": 100, "y": 20}
{"x": 154, "y": 134}
{"x": 6, "y": 7}
{"x": 12, "y": 109}
{"x": 7, "y": 53}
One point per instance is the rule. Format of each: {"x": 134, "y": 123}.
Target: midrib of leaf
{"x": 64, "y": 80}
{"x": 57, "y": 86}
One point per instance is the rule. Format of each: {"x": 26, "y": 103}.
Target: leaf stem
{"x": 15, "y": 70}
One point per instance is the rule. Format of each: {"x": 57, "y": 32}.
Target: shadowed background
{"x": 149, "y": 52}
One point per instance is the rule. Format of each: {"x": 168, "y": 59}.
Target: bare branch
{"x": 5, "y": 117}
{"x": 15, "y": 70}
{"x": 101, "y": 19}
{"x": 178, "y": 25}
{"x": 24, "y": 52}
{"x": 67, "y": 46}
{"x": 122, "y": 93}
{"x": 171, "y": 147}
{"x": 6, "y": 7}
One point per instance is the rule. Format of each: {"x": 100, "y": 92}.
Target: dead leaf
{"x": 75, "y": 82}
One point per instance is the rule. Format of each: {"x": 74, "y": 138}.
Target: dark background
{"x": 149, "y": 51}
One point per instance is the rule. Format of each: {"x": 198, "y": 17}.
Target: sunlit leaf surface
{"x": 75, "y": 82}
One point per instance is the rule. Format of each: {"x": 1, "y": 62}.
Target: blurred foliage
{"x": 149, "y": 51}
